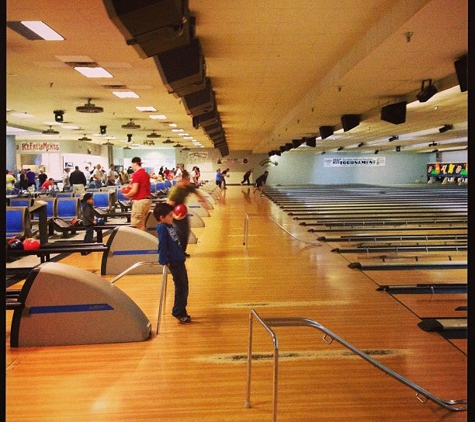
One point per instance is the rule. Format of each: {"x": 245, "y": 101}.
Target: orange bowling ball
{"x": 126, "y": 189}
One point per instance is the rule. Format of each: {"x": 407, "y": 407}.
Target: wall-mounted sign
{"x": 354, "y": 162}
{"x": 39, "y": 146}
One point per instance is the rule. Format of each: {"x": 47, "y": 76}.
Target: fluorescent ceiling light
{"x": 146, "y": 109}
{"x": 93, "y": 72}
{"x": 42, "y": 30}
{"x": 125, "y": 94}
{"x": 183, "y": 134}
{"x": 70, "y": 127}
{"x": 158, "y": 116}
{"x": 22, "y": 115}
{"x": 177, "y": 130}
{"x": 172, "y": 125}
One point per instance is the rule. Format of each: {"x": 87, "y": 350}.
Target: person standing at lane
{"x": 140, "y": 194}
{"x": 170, "y": 253}
{"x": 246, "y": 177}
{"x": 176, "y": 196}
{"x": 261, "y": 182}
{"x": 219, "y": 178}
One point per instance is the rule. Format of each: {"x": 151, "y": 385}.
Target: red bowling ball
{"x": 180, "y": 211}
{"x": 31, "y": 244}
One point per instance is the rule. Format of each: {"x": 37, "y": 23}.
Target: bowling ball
{"x": 126, "y": 189}
{"x": 31, "y": 244}
{"x": 15, "y": 243}
{"x": 76, "y": 222}
{"x": 100, "y": 221}
{"x": 180, "y": 211}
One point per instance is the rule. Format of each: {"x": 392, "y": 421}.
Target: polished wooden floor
{"x": 197, "y": 372}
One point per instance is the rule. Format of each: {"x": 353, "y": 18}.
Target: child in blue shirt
{"x": 170, "y": 253}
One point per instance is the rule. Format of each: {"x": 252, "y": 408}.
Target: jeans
{"x": 182, "y": 228}
{"x": 180, "y": 279}
{"x": 89, "y": 236}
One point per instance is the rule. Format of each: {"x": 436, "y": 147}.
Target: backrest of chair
{"x": 50, "y": 203}
{"x": 120, "y": 196}
{"x": 17, "y": 222}
{"x": 102, "y": 199}
{"x": 64, "y": 195}
{"x": 168, "y": 184}
{"x": 67, "y": 208}
{"x": 21, "y": 202}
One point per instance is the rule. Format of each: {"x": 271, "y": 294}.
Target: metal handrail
{"x": 422, "y": 395}
{"x": 246, "y": 229}
{"x": 163, "y": 290}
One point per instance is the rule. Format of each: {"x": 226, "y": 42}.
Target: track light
{"x": 58, "y": 115}
{"x": 103, "y": 130}
{"x": 427, "y": 91}
{"x": 445, "y": 128}
{"x": 398, "y": 148}
{"x": 129, "y": 137}
{"x": 433, "y": 144}
{"x": 323, "y": 152}
{"x": 361, "y": 144}
{"x": 393, "y": 138}
{"x": 376, "y": 151}
{"x": 340, "y": 149}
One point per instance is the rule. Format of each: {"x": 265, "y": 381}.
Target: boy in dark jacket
{"x": 170, "y": 253}
{"x": 88, "y": 218}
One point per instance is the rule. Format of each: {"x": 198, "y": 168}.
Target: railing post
{"x": 246, "y": 229}
{"x": 163, "y": 297}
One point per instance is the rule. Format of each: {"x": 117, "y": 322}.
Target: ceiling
{"x": 279, "y": 70}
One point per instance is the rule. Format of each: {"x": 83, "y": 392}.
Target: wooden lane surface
{"x": 198, "y": 372}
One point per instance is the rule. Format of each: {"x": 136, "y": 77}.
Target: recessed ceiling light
{"x": 35, "y": 30}
{"x": 125, "y": 94}
{"x": 22, "y": 115}
{"x": 93, "y": 72}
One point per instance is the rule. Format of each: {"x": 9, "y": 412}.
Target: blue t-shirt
{"x": 169, "y": 247}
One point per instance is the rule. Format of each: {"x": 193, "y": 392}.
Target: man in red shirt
{"x": 140, "y": 195}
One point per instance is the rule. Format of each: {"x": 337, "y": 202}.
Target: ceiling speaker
{"x": 209, "y": 118}
{"x": 311, "y": 142}
{"x": 200, "y": 102}
{"x": 164, "y": 39}
{"x": 349, "y": 121}
{"x": 296, "y": 142}
{"x": 138, "y": 17}
{"x": 326, "y": 131}
{"x": 427, "y": 91}
{"x": 181, "y": 66}
{"x": 461, "y": 70}
{"x": 394, "y": 113}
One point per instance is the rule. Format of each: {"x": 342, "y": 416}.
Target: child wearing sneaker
{"x": 170, "y": 253}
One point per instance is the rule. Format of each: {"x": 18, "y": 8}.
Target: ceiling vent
{"x": 131, "y": 125}
{"x": 154, "y": 135}
{"x": 50, "y": 131}
{"x": 84, "y": 138}
{"x": 89, "y": 108}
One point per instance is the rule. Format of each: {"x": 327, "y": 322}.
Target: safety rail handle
{"x": 133, "y": 267}
{"x": 163, "y": 290}
{"x": 422, "y": 394}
